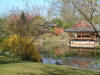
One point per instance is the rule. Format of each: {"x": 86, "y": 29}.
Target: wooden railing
{"x": 87, "y": 38}
{"x": 83, "y": 44}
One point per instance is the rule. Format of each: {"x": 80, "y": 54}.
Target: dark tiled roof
{"x": 83, "y": 27}
{"x": 51, "y": 24}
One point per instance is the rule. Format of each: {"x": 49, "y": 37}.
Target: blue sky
{"x": 6, "y": 5}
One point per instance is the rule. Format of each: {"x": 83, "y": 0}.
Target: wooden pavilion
{"x": 83, "y": 35}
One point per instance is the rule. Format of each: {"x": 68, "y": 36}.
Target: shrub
{"x": 98, "y": 52}
{"x": 21, "y": 47}
{"x": 51, "y": 30}
{"x": 72, "y": 53}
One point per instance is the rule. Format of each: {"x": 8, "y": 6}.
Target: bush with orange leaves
{"x": 58, "y": 31}
{"x": 21, "y": 47}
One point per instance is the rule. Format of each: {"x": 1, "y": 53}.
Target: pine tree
{"x": 23, "y": 18}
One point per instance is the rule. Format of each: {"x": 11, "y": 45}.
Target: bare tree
{"x": 36, "y": 8}
{"x": 87, "y": 9}
{"x": 68, "y": 10}
{"x": 64, "y": 9}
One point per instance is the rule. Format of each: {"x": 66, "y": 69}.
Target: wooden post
{"x": 69, "y": 34}
{"x": 95, "y": 36}
{"x": 68, "y": 42}
{"x": 81, "y": 44}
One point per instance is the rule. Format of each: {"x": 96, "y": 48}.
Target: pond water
{"x": 54, "y": 50}
{"x": 79, "y": 62}
{"x": 59, "y": 57}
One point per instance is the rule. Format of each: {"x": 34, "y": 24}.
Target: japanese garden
{"x": 50, "y": 37}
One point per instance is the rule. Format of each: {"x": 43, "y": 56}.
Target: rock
{"x": 58, "y": 63}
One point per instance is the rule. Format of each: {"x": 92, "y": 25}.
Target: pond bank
{"x": 32, "y": 68}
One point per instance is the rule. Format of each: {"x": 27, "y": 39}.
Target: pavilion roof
{"x": 83, "y": 26}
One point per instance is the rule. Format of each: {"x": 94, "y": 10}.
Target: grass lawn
{"x": 10, "y": 67}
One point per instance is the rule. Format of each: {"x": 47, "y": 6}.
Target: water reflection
{"x": 61, "y": 56}
{"x": 80, "y": 62}
{"x": 51, "y": 61}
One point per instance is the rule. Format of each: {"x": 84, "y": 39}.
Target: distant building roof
{"x": 83, "y": 26}
{"x": 52, "y": 24}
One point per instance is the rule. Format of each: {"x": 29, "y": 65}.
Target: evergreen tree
{"x": 23, "y": 17}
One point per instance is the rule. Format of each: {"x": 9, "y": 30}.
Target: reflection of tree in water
{"x": 46, "y": 53}
{"x": 58, "y": 51}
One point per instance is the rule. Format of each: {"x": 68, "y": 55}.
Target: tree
{"x": 96, "y": 19}
{"x": 23, "y": 16}
{"x": 62, "y": 23}
{"x": 58, "y": 21}
{"x": 23, "y": 32}
{"x": 2, "y": 30}
{"x": 87, "y": 9}
{"x": 65, "y": 10}
{"x": 34, "y": 7}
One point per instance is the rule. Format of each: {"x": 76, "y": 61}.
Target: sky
{"x": 6, "y": 5}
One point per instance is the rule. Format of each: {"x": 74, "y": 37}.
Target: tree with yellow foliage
{"x": 23, "y": 32}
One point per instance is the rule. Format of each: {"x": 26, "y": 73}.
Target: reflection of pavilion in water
{"x": 81, "y": 51}
{"x": 81, "y": 63}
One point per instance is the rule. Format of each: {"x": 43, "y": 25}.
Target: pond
{"x": 79, "y": 62}
{"x": 54, "y": 50}
{"x": 60, "y": 58}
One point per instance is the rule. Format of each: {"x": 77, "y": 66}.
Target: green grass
{"x": 10, "y": 67}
